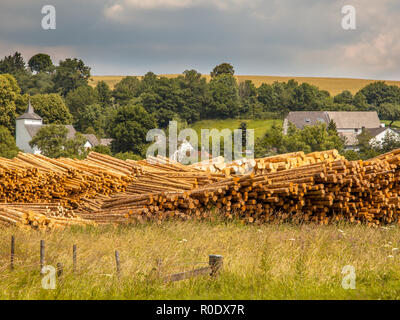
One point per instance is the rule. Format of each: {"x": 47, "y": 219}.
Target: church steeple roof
{"x": 29, "y": 113}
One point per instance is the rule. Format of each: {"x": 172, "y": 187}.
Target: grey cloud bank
{"x": 299, "y": 38}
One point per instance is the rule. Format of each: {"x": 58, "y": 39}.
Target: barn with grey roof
{"x": 349, "y": 124}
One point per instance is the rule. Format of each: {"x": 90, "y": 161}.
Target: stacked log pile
{"x": 35, "y": 178}
{"x": 216, "y": 164}
{"x": 84, "y": 184}
{"x": 327, "y": 190}
{"x": 267, "y": 164}
{"x": 39, "y": 216}
{"x": 318, "y": 187}
{"x": 161, "y": 174}
{"x": 153, "y": 176}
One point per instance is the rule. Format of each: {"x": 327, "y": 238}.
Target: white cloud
{"x": 122, "y": 9}
{"x": 118, "y": 10}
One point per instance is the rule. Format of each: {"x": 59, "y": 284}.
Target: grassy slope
{"x": 395, "y": 124}
{"x": 260, "y": 262}
{"x": 333, "y": 85}
{"x": 259, "y": 126}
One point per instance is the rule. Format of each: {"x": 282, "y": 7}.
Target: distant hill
{"x": 333, "y": 85}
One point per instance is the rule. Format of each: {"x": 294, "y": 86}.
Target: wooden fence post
{"x": 215, "y": 262}
{"x": 159, "y": 263}
{"x": 12, "y": 252}
{"x": 74, "y": 258}
{"x": 117, "y": 262}
{"x": 41, "y": 255}
{"x": 59, "y": 270}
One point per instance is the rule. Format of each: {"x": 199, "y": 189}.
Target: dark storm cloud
{"x": 167, "y": 36}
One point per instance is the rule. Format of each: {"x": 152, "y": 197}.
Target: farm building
{"x": 29, "y": 123}
{"x": 185, "y": 150}
{"x": 348, "y": 124}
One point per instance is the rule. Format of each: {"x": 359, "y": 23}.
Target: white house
{"x": 349, "y": 124}
{"x": 28, "y": 125}
{"x": 93, "y": 141}
{"x": 183, "y": 151}
{"x": 379, "y": 134}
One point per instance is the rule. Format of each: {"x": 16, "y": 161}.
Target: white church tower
{"x": 27, "y": 125}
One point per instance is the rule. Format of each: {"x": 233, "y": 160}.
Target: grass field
{"x": 395, "y": 124}
{"x": 333, "y": 85}
{"x": 260, "y": 262}
{"x": 260, "y": 126}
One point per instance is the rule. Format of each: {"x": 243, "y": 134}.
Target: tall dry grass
{"x": 260, "y": 262}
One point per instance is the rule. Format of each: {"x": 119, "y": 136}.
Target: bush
{"x": 127, "y": 155}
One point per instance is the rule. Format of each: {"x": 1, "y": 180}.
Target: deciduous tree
{"x": 9, "y": 97}
{"x": 41, "y": 62}
{"x": 53, "y": 142}
{"x": 70, "y": 74}
{"x": 223, "y": 68}
{"x": 225, "y": 97}
{"x": 8, "y": 148}
{"x": 52, "y": 108}
{"x": 127, "y": 89}
{"x": 50, "y": 140}
{"x": 129, "y": 128}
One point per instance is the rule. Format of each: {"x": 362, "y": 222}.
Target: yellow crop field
{"x": 332, "y": 85}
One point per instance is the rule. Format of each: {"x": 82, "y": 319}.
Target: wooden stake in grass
{"x": 59, "y": 270}
{"x": 117, "y": 262}
{"x": 12, "y": 252}
{"x": 215, "y": 261}
{"x": 74, "y": 257}
{"x": 41, "y": 255}
{"x": 159, "y": 263}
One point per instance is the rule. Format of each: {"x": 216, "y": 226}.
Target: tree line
{"x": 61, "y": 95}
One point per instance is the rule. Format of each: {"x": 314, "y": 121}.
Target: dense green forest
{"x": 61, "y": 94}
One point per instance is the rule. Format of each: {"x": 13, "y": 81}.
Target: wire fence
{"x": 212, "y": 267}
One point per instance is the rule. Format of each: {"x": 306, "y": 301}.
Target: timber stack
{"x": 39, "y": 216}
{"x": 319, "y": 187}
{"x": 35, "y": 178}
{"x": 152, "y": 176}
{"x": 267, "y": 164}
{"x": 327, "y": 189}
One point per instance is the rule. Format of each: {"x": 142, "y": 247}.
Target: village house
{"x": 184, "y": 151}
{"x": 29, "y": 123}
{"x": 348, "y": 124}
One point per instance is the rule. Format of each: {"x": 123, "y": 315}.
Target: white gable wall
{"x": 181, "y": 155}
{"x": 379, "y": 137}
{"x": 88, "y": 145}
{"x": 22, "y": 136}
{"x": 31, "y": 121}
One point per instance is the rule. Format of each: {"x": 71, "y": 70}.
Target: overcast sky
{"x": 259, "y": 37}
